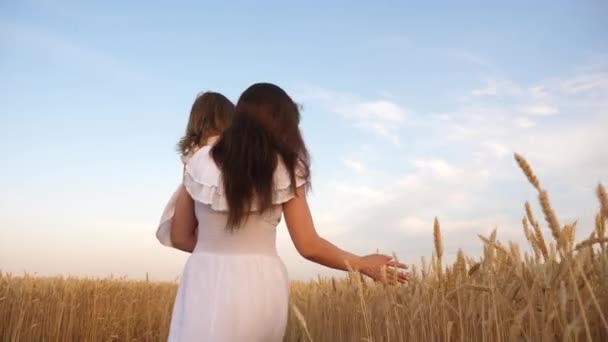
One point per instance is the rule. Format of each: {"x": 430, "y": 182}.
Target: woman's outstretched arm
{"x": 183, "y": 229}
{"x": 315, "y": 248}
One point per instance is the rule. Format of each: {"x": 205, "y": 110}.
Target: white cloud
{"x": 439, "y": 169}
{"x": 541, "y": 109}
{"x": 459, "y": 132}
{"x": 442, "y": 116}
{"x": 413, "y": 224}
{"x": 380, "y": 110}
{"x": 485, "y": 174}
{"x": 524, "y": 122}
{"x": 589, "y": 83}
{"x": 416, "y": 226}
{"x": 354, "y": 165}
{"x": 497, "y": 149}
{"x": 410, "y": 182}
{"x": 498, "y": 88}
{"x": 381, "y": 117}
{"x": 358, "y": 194}
{"x": 572, "y": 145}
{"x": 538, "y": 92}
{"x": 381, "y": 130}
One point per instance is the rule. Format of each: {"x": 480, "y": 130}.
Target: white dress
{"x": 234, "y": 286}
{"x": 163, "y": 231}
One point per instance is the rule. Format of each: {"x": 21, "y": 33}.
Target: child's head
{"x": 211, "y": 113}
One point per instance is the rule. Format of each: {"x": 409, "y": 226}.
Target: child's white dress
{"x": 163, "y": 231}
{"x": 234, "y": 286}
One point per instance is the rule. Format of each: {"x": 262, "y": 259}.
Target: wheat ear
{"x": 525, "y": 167}
{"x": 538, "y": 234}
{"x": 590, "y": 242}
{"x": 603, "y": 197}
{"x": 438, "y": 246}
{"x": 550, "y": 216}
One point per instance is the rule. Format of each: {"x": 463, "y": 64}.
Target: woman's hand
{"x": 382, "y": 268}
{"x": 315, "y": 248}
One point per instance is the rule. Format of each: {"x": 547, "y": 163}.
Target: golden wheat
{"x": 600, "y": 228}
{"x": 538, "y": 234}
{"x": 438, "y": 248}
{"x": 525, "y": 167}
{"x": 550, "y": 216}
{"x": 591, "y": 242}
{"x": 603, "y": 197}
{"x": 502, "y": 297}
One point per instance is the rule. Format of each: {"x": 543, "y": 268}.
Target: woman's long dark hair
{"x": 264, "y": 129}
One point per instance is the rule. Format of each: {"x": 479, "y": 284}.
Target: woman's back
{"x": 257, "y": 233}
{"x": 256, "y": 236}
{"x": 234, "y": 286}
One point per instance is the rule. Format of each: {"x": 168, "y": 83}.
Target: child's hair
{"x": 211, "y": 113}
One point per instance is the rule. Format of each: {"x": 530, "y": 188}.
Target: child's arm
{"x": 183, "y": 229}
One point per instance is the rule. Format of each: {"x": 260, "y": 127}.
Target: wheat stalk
{"x": 514, "y": 251}
{"x": 492, "y": 243}
{"x": 438, "y": 247}
{"x": 437, "y": 239}
{"x": 531, "y": 239}
{"x": 538, "y": 234}
{"x": 567, "y": 235}
{"x": 600, "y": 228}
{"x": 590, "y": 242}
{"x": 550, "y": 216}
{"x": 527, "y": 231}
{"x": 525, "y": 167}
{"x": 302, "y": 321}
{"x": 530, "y": 214}
{"x": 474, "y": 268}
{"x": 603, "y": 197}
{"x": 461, "y": 264}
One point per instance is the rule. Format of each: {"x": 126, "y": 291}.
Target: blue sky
{"x": 410, "y": 111}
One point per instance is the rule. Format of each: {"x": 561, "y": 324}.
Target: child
{"x": 211, "y": 113}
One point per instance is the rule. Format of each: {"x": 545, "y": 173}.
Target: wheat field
{"x": 555, "y": 292}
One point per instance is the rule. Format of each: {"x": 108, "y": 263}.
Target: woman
{"x": 210, "y": 114}
{"x": 234, "y": 286}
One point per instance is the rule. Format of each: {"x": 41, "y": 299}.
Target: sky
{"x": 410, "y": 112}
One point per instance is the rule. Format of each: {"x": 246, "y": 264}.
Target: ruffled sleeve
{"x": 283, "y": 191}
{"x": 203, "y": 181}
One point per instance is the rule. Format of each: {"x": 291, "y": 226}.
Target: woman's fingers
{"x": 399, "y": 276}
{"x": 397, "y": 264}
{"x": 391, "y": 262}
{"x": 385, "y": 269}
{"x": 391, "y": 276}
